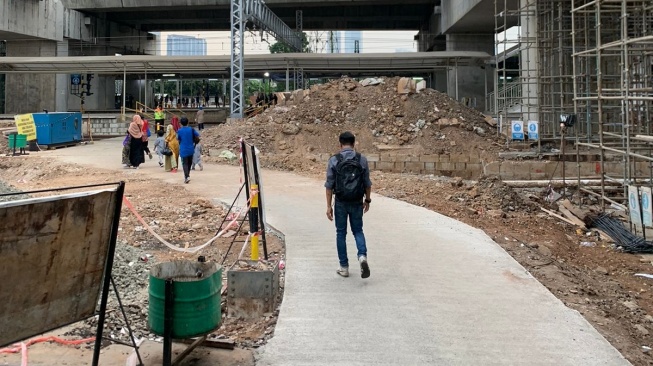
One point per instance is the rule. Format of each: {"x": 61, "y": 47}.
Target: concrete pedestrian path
{"x": 440, "y": 293}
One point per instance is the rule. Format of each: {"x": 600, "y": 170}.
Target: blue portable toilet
{"x": 58, "y": 127}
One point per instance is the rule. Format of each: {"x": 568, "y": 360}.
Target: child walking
{"x": 159, "y": 145}
{"x": 197, "y": 157}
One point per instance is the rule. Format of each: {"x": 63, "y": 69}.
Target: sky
{"x": 372, "y": 41}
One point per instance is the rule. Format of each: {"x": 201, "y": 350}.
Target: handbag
{"x": 166, "y": 151}
{"x": 196, "y": 138}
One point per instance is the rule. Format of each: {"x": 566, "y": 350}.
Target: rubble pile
{"x": 383, "y": 116}
{"x": 492, "y": 196}
{"x": 130, "y": 271}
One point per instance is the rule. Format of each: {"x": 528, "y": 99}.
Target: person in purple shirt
{"x": 348, "y": 179}
{"x": 187, "y": 137}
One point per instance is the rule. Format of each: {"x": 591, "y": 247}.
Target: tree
{"x": 280, "y": 47}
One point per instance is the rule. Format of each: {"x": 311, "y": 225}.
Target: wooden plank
{"x": 213, "y": 343}
{"x": 551, "y": 213}
{"x": 573, "y": 209}
{"x": 490, "y": 121}
{"x": 571, "y": 217}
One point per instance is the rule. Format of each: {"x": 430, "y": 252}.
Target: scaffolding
{"x": 515, "y": 95}
{"x": 612, "y": 42}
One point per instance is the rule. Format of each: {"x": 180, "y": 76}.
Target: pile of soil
{"x": 381, "y": 118}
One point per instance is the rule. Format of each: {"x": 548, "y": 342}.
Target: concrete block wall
{"x": 473, "y": 166}
{"x": 108, "y": 125}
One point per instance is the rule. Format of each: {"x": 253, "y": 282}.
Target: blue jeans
{"x": 353, "y": 210}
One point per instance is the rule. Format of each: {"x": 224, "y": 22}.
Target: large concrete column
{"x": 62, "y": 81}
{"x": 28, "y": 93}
{"x": 469, "y": 82}
{"x": 529, "y": 59}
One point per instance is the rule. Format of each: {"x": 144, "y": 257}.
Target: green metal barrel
{"x": 197, "y": 289}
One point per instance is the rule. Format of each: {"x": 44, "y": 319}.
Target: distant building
{"x": 333, "y": 42}
{"x": 353, "y": 41}
{"x": 179, "y": 45}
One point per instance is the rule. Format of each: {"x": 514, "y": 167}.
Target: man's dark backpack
{"x": 350, "y": 184}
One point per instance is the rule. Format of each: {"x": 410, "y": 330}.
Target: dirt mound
{"x": 382, "y": 119}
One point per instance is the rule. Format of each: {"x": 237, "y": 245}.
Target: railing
{"x": 506, "y": 97}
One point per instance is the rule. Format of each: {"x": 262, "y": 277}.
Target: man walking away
{"x": 199, "y": 118}
{"x": 348, "y": 178}
{"x": 187, "y": 137}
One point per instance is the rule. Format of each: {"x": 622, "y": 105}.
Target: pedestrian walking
{"x": 348, "y": 179}
{"x": 171, "y": 161}
{"x": 146, "y": 137}
{"x": 125, "y": 151}
{"x": 159, "y": 146}
{"x": 197, "y": 157}
{"x": 187, "y": 137}
{"x": 159, "y": 118}
{"x": 199, "y": 118}
{"x": 136, "y": 153}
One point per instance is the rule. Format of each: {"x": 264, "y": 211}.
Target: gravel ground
{"x": 5, "y": 188}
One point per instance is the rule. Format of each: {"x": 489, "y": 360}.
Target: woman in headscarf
{"x": 136, "y": 153}
{"x": 172, "y": 161}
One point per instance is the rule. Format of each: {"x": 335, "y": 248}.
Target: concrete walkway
{"x": 441, "y": 292}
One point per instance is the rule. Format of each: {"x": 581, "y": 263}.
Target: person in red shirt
{"x": 146, "y": 136}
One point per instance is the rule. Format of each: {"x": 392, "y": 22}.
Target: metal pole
{"x": 260, "y": 202}
{"x": 107, "y": 273}
{"x": 167, "y": 321}
{"x": 124, "y": 315}
{"x": 146, "y": 102}
{"x": 456, "y": 72}
{"x": 287, "y": 76}
{"x": 124, "y": 89}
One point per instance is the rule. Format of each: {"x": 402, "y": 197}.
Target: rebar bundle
{"x": 624, "y": 239}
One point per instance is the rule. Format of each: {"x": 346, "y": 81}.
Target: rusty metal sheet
{"x": 53, "y": 252}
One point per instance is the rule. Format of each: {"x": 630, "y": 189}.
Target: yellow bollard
{"x": 254, "y": 222}
{"x": 254, "y": 242}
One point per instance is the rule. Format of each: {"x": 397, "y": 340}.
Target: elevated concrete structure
{"x": 174, "y": 15}
{"x": 47, "y": 29}
{"x": 471, "y": 16}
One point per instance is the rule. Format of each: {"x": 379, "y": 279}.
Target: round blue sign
{"x": 517, "y": 128}
{"x": 645, "y": 200}
{"x": 532, "y": 127}
{"x": 633, "y": 201}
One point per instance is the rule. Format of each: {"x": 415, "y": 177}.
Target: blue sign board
{"x": 75, "y": 79}
{"x": 533, "y": 130}
{"x": 517, "y": 130}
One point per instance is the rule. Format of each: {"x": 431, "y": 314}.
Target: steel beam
{"x": 237, "y": 53}
{"x": 256, "y": 11}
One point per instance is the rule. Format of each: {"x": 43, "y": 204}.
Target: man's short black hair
{"x": 184, "y": 121}
{"x": 347, "y": 138}
{"x": 159, "y": 133}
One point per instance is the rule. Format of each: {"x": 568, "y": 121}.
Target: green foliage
{"x": 280, "y": 47}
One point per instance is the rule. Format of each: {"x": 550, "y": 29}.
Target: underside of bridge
{"x": 332, "y": 15}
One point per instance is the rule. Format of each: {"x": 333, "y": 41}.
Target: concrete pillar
{"x": 529, "y": 58}
{"x": 62, "y": 80}
{"x": 469, "y": 81}
{"x": 29, "y": 93}
{"x": 440, "y": 80}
